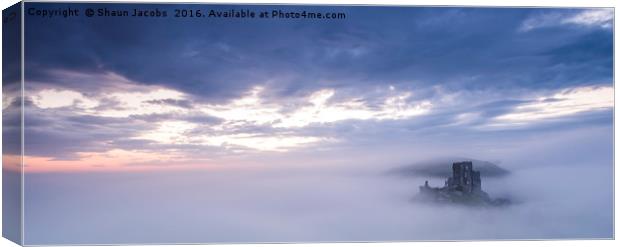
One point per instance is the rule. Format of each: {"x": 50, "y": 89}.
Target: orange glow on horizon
{"x": 11, "y": 163}
{"x": 102, "y": 162}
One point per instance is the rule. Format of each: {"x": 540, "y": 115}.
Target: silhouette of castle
{"x": 464, "y": 178}
{"x": 463, "y": 187}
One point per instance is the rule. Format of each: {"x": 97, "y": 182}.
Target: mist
{"x": 560, "y": 186}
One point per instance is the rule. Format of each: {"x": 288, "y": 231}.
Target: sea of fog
{"x": 560, "y": 183}
{"x": 550, "y": 201}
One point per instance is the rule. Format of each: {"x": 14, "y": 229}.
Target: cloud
{"x": 254, "y": 121}
{"x": 169, "y": 132}
{"x": 174, "y": 102}
{"x": 393, "y": 108}
{"x": 52, "y": 98}
{"x": 317, "y": 108}
{"x": 142, "y": 103}
{"x": 565, "y": 103}
{"x": 367, "y": 50}
{"x": 593, "y": 18}
{"x": 351, "y": 85}
{"x": 602, "y": 18}
{"x": 261, "y": 142}
{"x": 107, "y": 94}
{"x": 137, "y": 116}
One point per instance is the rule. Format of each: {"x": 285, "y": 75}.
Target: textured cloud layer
{"x": 218, "y": 96}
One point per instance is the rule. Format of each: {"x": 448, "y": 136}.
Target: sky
{"x": 117, "y": 108}
{"x": 194, "y": 93}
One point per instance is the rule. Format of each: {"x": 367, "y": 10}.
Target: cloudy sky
{"x": 131, "y": 93}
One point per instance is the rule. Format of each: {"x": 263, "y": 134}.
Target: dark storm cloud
{"x": 460, "y": 48}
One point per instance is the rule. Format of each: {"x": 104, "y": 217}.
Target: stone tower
{"x": 464, "y": 178}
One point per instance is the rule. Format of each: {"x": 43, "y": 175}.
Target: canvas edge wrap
{"x": 12, "y": 124}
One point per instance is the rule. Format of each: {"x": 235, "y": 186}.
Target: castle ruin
{"x": 463, "y": 187}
